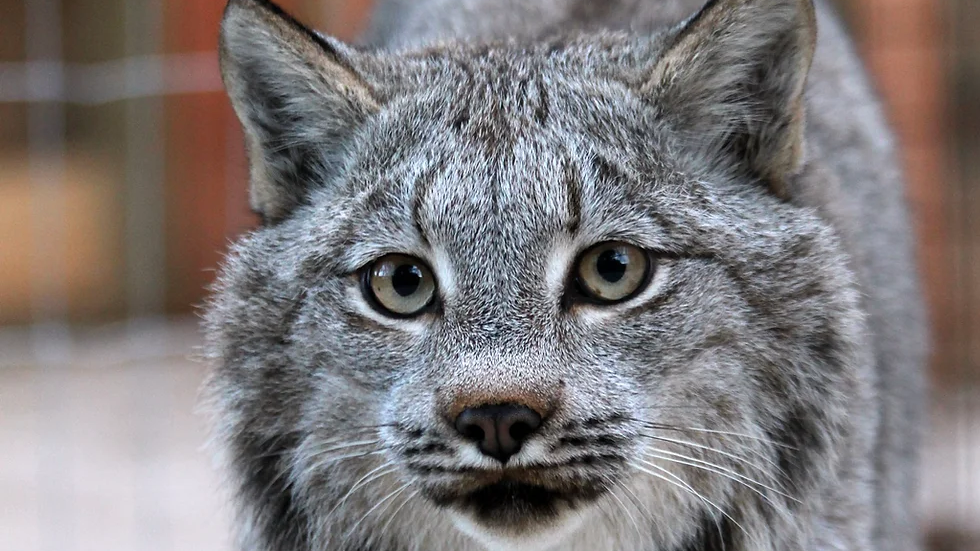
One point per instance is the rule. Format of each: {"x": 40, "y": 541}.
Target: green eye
{"x": 612, "y": 272}
{"x": 400, "y": 285}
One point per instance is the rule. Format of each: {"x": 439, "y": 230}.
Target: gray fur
{"x": 497, "y": 140}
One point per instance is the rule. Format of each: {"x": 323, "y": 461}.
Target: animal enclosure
{"x": 122, "y": 181}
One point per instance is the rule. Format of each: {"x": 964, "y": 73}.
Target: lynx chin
{"x": 569, "y": 275}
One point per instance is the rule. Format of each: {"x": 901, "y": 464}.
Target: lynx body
{"x": 566, "y": 275}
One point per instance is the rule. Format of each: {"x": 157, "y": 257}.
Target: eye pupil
{"x": 406, "y": 280}
{"x": 611, "y": 265}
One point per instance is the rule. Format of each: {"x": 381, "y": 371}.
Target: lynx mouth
{"x": 518, "y": 502}
{"x": 492, "y": 503}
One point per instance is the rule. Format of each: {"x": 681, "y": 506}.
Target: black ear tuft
{"x": 300, "y": 98}
{"x": 731, "y": 81}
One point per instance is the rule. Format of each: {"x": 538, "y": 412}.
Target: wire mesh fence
{"x": 122, "y": 180}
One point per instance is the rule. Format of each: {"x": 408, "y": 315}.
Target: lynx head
{"x": 512, "y": 287}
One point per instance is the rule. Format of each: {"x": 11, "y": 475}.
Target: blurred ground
{"x": 103, "y": 451}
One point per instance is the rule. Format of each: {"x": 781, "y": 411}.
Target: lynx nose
{"x": 499, "y": 430}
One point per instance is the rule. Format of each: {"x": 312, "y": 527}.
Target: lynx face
{"x": 511, "y": 288}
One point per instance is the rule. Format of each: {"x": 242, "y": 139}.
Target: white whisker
{"x": 734, "y": 457}
{"x": 718, "y": 469}
{"x": 372, "y": 475}
{"x": 373, "y": 509}
{"x": 340, "y": 438}
{"x": 318, "y": 450}
{"x": 732, "y": 472}
{"x": 331, "y": 459}
{"x": 719, "y": 432}
{"x": 635, "y": 499}
{"x": 397, "y": 509}
{"x": 687, "y": 487}
{"x": 626, "y": 510}
{"x": 320, "y": 463}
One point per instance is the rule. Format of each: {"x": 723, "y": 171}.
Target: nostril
{"x": 520, "y": 431}
{"x": 474, "y": 425}
{"x": 473, "y": 432}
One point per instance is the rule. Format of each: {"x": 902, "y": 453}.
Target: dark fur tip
{"x": 274, "y": 11}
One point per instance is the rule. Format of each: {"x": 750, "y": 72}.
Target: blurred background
{"x": 122, "y": 181}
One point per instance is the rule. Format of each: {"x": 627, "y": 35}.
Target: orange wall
{"x": 206, "y": 202}
{"x": 904, "y": 44}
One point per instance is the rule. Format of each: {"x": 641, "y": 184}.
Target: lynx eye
{"x": 612, "y": 272}
{"x": 400, "y": 285}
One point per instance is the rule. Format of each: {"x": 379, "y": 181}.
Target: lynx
{"x": 628, "y": 275}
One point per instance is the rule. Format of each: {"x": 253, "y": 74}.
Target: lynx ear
{"x": 731, "y": 81}
{"x": 299, "y": 98}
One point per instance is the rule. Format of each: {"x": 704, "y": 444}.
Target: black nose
{"x": 500, "y": 430}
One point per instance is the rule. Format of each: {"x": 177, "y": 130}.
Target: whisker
{"x": 378, "y": 426}
{"x": 635, "y": 499}
{"x": 346, "y": 436}
{"x": 661, "y": 426}
{"x": 330, "y": 460}
{"x": 680, "y": 483}
{"x": 625, "y": 509}
{"x": 677, "y": 406}
{"x": 732, "y": 456}
{"x": 320, "y": 463}
{"x": 372, "y": 475}
{"x": 719, "y": 470}
{"x": 751, "y": 450}
{"x": 608, "y": 512}
{"x": 394, "y": 513}
{"x": 318, "y": 450}
{"x": 375, "y": 507}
